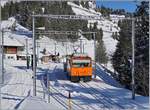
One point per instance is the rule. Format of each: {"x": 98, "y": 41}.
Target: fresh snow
{"x": 9, "y": 40}
{"x": 103, "y": 92}
{"x": 79, "y": 10}
{"x": 3, "y": 2}
{"x": 100, "y": 93}
{"x": 12, "y": 23}
{"x": 107, "y": 26}
{"x": 64, "y": 47}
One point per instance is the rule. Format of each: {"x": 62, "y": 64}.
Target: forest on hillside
{"x": 122, "y": 57}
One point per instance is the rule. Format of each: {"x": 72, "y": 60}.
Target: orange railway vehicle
{"x": 79, "y": 66}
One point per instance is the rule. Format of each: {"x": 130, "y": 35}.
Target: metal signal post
{"x": 133, "y": 58}
{"x": 34, "y": 56}
{"x": 94, "y": 54}
{"x": 27, "y": 53}
{"x": 2, "y": 56}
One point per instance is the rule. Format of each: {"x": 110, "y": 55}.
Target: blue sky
{"x": 129, "y": 6}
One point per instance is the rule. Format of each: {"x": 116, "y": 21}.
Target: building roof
{"x": 7, "y": 24}
{"x": 10, "y": 40}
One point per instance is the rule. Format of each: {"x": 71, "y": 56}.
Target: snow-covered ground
{"x": 100, "y": 93}
{"x": 17, "y": 87}
{"x": 103, "y": 92}
{"x": 107, "y": 26}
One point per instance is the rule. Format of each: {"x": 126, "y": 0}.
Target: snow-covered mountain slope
{"x": 64, "y": 48}
{"x": 3, "y": 2}
{"x": 107, "y": 26}
{"x": 79, "y": 10}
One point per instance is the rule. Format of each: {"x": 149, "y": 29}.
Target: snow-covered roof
{"x": 10, "y": 23}
{"x": 10, "y": 40}
{"x": 7, "y": 24}
{"x": 117, "y": 16}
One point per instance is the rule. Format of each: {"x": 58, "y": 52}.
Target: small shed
{"x": 45, "y": 58}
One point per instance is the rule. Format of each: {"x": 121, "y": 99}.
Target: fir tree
{"x": 122, "y": 57}
{"x": 142, "y": 48}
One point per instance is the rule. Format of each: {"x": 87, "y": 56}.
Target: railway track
{"x": 105, "y": 100}
{"x": 103, "y": 103}
{"x": 74, "y": 105}
{"x": 62, "y": 99}
{"x": 110, "y": 97}
{"x": 59, "y": 97}
{"x": 87, "y": 106}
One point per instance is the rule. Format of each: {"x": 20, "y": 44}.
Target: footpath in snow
{"x": 18, "y": 86}
{"x": 17, "y": 91}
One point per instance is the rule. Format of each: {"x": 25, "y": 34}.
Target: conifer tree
{"x": 142, "y": 48}
{"x": 122, "y": 57}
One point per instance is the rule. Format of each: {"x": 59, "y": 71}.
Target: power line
{"x": 72, "y": 17}
{"x": 51, "y": 32}
{"x": 82, "y": 17}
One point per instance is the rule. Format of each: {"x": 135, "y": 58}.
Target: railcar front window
{"x": 81, "y": 65}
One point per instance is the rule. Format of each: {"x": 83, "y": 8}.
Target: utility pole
{"x": 66, "y": 49}
{"x": 80, "y": 45}
{"x": 27, "y": 54}
{"x": 1, "y": 65}
{"x": 94, "y": 55}
{"x": 2, "y": 50}
{"x": 80, "y": 34}
{"x": 133, "y": 56}
{"x": 55, "y": 48}
{"x": 38, "y": 51}
{"x": 83, "y": 47}
{"x": 34, "y": 56}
